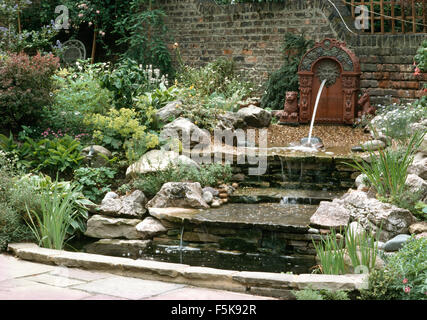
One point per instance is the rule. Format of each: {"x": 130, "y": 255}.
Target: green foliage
{"x": 387, "y": 171}
{"x": 360, "y": 248}
{"x": 404, "y": 277}
{"x": 95, "y": 182}
{"x": 41, "y": 184}
{"x": 79, "y": 93}
{"x": 52, "y": 222}
{"x": 12, "y": 224}
{"x": 286, "y": 78}
{"x": 143, "y": 32}
{"x": 118, "y": 128}
{"x": 421, "y": 57}
{"x": 208, "y": 175}
{"x": 216, "y": 77}
{"x": 395, "y": 120}
{"x": 126, "y": 80}
{"x": 25, "y": 87}
{"x": 310, "y": 294}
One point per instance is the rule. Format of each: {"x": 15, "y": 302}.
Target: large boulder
{"x": 158, "y": 160}
{"x": 330, "y": 215}
{"x": 396, "y": 243}
{"x": 103, "y": 227}
{"x": 96, "y": 156}
{"x": 129, "y": 206}
{"x": 373, "y": 214}
{"x": 170, "y": 111}
{"x": 187, "y": 132}
{"x": 255, "y": 116}
{"x": 179, "y": 195}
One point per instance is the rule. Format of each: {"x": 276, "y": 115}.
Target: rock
{"x": 356, "y": 228}
{"x": 223, "y": 195}
{"x": 96, "y": 156}
{"x": 417, "y": 185}
{"x": 379, "y": 263}
{"x": 118, "y": 247}
{"x": 239, "y": 177}
{"x": 313, "y": 231}
{"x": 357, "y": 149}
{"x": 330, "y": 215}
{"x": 216, "y": 203}
{"x": 187, "y": 132}
{"x": 421, "y": 235}
{"x": 418, "y": 227}
{"x": 108, "y": 228}
{"x": 255, "y": 116}
{"x": 423, "y": 146}
{"x": 235, "y": 185}
{"x": 214, "y": 191}
{"x": 380, "y": 245}
{"x": 362, "y": 182}
{"x": 130, "y": 206}
{"x": 396, "y": 243}
{"x": 170, "y": 111}
{"x": 373, "y": 145}
{"x": 179, "y": 195}
{"x": 150, "y": 227}
{"x": 419, "y": 166}
{"x": 230, "y": 121}
{"x": 111, "y": 195}
{"x": 158, "y": 160}
{"x": 373, "y": 214}
{"x": 207, "y": 196}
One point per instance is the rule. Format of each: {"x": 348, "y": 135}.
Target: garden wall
{"x": 252, "y": 35}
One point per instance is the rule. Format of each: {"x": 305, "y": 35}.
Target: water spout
{"x": 315, "y": 110}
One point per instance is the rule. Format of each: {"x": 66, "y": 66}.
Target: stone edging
{"x": 258, "y": 283}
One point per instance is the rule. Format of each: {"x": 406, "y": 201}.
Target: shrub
{"x": 310, "y": 294}
{"x": 12, "y": 224}
{"x": 208, "y": 175}
{"x": 421, "y": 57}
{"x": 118, "y": 127}
{"x": 404, "y": 277}
{"x": 95, "y": 182}
{"x": 79, "y": 93}
{"x": 286, "y": 78}
{"x": 25, "y": 87}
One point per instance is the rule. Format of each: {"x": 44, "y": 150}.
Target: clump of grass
{"x": 56, "y": 215}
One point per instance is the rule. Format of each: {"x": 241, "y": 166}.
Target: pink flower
{"x": 407, "y": 289}
{"x": 80, "y": 15}
{"x": 417, "y": 71}
{"x": 97, "y": 11}
{"x": 405, "y": 281}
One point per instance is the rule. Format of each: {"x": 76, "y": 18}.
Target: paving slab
{"x": 11, "y": 267}
{"x": 55, "y": 280}
{"x": 20, "y": 289}
{"x": 204, "y": 294}
{"x": 128, "y": 288}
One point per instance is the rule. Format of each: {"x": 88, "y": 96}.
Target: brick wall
{"x": 252, "y": 34}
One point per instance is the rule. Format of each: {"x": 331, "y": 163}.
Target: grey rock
{"x": 150, "y": 227}
{"x": 170, "y": 111}
{"x": 179, "y": 195}
{"x": 230, "y": 121}
{"x": 396, "y": 243}
{"x": 96, "y": 156}
{"x": 132, "y": 206}
{"x": 214, "y": 191}
{"x": 417, "y": 185}
{"x": 419, "y": 165}
{"x": 356, "y": 228}
{"x": 255, "y": 116}
{"x": 158, "y": 160}
{"x": 102, "y": 227}
{"x": 330, "y": 215}
{"x": 208, "y": 197}
{"x": 187, "y": 132}
{"x": 216, "y": 203}
{"x": 373, "y": 145}
{"x": 362, "y": 181}
{"x": 373, "y": 214}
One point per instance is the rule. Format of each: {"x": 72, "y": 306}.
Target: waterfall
{"x": 315, "y": 110}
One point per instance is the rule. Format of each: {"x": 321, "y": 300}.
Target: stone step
{"x": 284, "y": 196}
